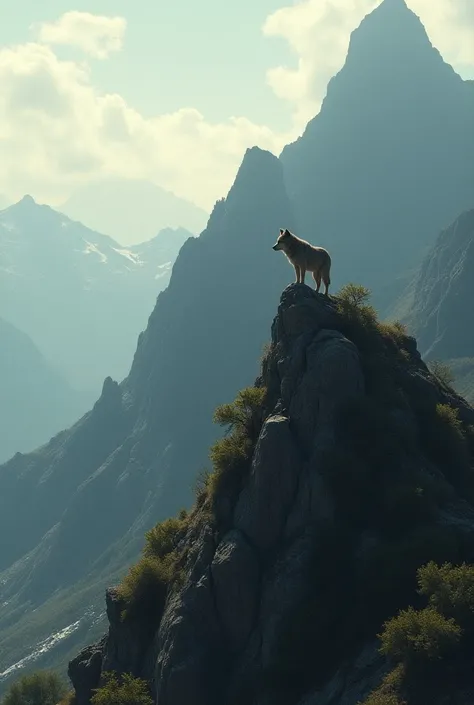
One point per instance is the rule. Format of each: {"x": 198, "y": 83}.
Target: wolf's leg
{"x": 298, "y": 274}
{"x": 302, "y": 275}
{"x": 326, "y": 281}
{"x": 317, "y": 280}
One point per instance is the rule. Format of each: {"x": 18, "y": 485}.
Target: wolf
{"x": 305, "y": 258}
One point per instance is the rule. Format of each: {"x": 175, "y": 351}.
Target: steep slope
{"x": 133, "y": 459}
{"x": 158, "y": 254}
{"x": 388, "y": 162}
{"x": 131, "y": 210}
{"x": 91, "y": 296}
{"x": 348, "y": 466}
{"x": 441, "y": 311}
{"x": 35, "y": 402}
{"x": 436, "y": 305}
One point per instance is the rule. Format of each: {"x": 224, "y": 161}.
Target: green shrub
{"x": 353, "y": 296}
{"x": 162, "y": 539}
{"x": 386, "y": 574}
{"x": 353, "y": 306}
{"x": 379, "y": 697}
{"x": 145, "y": 587}
{"x": 447, "y": 444}
{"x": 442, "y": 372}
{"x": 450, "y": 590}
{"x": 125, "y": 690}
{"x": 388, "y": 693}
{"x": 231, "y": 455}
{"x": 244, "y": 414}
{"x": 69, "y": 698}
{"x": 416, "y": 638}
{"x": 40, "y": 688}
{"x": 450, "y": 418}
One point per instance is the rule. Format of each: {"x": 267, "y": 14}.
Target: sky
{"x": 174, "y": 91}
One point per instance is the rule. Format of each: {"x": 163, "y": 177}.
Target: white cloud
{"x": 96, "y": 35}
{"x": 318, "y": 32}
{"x": 57, "y": 131}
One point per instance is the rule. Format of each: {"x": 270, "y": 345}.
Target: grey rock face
{"x": 220, "y": 636}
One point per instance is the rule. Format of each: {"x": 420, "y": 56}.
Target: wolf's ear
{"x": 281, "y": 231}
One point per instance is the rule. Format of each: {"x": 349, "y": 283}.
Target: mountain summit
{"x": 387, "y": 163}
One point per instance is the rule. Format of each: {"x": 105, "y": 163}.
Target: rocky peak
{"x": 387, "y": 162}
{"x": 27, "y": 200}
{"x": 282, "y": 556}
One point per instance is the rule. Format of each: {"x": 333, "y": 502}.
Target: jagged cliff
{"x": 356, "y": 469}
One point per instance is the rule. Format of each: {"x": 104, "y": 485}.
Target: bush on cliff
{"x": 427, "y": 645}
{"x": 231, "y": 455}
{"x": 145, "y": 587}
{"x": 123, "y": 690}
{"x": 40, "y": 688}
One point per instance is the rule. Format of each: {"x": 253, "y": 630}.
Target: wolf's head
{"x": 283, "y": 238}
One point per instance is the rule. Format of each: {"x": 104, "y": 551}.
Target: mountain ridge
{"x": 92, "y": 295}
{"x": 132, "y": 209}
{"x": 384, "y": 166}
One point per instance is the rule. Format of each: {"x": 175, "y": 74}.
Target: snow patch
{"x": 128, "y": 254}
{"x": 93, "y": 249}
{"x": 163, "y": 270}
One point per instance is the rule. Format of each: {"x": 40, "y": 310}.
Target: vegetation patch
{"x": 145, "y": 587}
{"x": 122, "y": 690}
{"x": 39, "y": 688}
{"x": 426, "y": 645}
{"x": 442, "y": 372}
{"x": 232, "y": 454}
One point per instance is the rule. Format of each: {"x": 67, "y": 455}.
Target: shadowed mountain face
{"x": 388, "y": 162}
{"x": 443, "y": 296}
{"x": 134, "y": 458}
{"x": 35, "y": 402}
{"x": 91, "y": 296}
{"x": 131, "y": 210}
{"x": 298, "y": 549}
{"x": 437, "y": 306}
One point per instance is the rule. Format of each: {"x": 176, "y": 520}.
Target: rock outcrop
{"x": 345, "y": 493}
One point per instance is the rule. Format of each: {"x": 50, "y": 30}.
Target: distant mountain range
{"x": 81, "y": 296}
{"x": 35, "y": 402}
{"x": 376, "y": 176}
{"x": 132, "y": 210}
